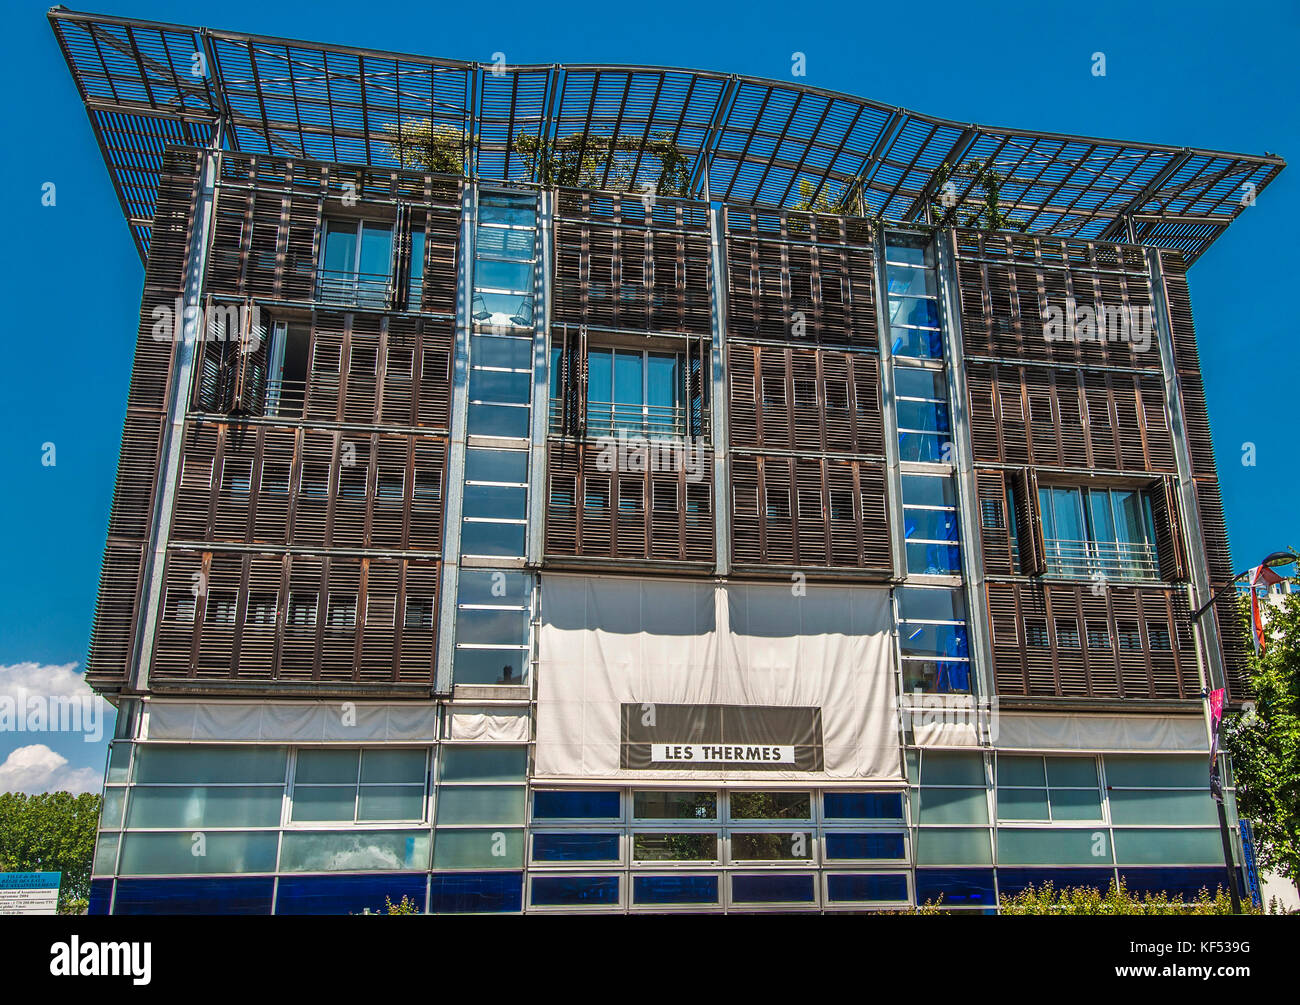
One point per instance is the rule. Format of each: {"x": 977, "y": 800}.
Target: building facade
{"x": 559, "y": 489}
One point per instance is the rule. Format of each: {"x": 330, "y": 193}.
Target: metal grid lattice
{"x": 746, "y": 140}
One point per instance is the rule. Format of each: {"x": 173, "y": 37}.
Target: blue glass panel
{"x": 376, "y": 249}
{"x": 757, "y": 888}
{"x": 674, "y": 889}
{"x": 853, "y": 846}
{"x": 934, "y": 559}
{"x": 924, "y": 416}
{"x": 476, "y": 893}
{"x": 1015, "y": 880}
{"x": 341, "y": 247}
{"x": 493, "y": 540}
{"x": 628, "y": 378}
{"x": 224, "y": 895}
{"x": 863, "y": 805}
{"x": 913, "y": 311}
{"x": 574, "y": 891}
{"x": 101, "y": 895}
{"x": 930, "y": 524}
{"x": 867, "y": 887}
{"x": 957, "y": 887}
{"x": 1187, "y": 882}
{"x": 575, "y": 847}
{"x": 575, "y": 805}
{"x": 918, "y": 343}
{"x": 346, "y": 894}
{"x": 927, "y": 447}
{"x": 932, "y": 640}
{"x": 600, "y": 363}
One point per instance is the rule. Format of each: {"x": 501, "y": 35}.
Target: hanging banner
{"x": 642, "y": 679}
{"x": 1216, "y": 720}
{"x": 708, "y": 737}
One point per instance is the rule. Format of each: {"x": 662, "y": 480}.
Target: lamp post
{"x": 1272, "y": 561}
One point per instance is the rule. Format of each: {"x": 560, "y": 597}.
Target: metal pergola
{"x": 748, "y": 141}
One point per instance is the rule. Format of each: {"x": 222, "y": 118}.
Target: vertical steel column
{"x": 456, "y": 451}
{"x": 537, "y": 494}
{"x": 972, "y": 546}
{"x": 1211, "y": 668}
{"x": 718, "y": 395}
{"x": 1199, "y": 585}
{"x": 889, "y": 413}
{"x": 178, "y": 403}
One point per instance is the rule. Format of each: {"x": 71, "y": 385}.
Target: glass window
{"x": 356, "y": 263}
{"x": 490, "y": 666}
{"x": 771, "y": 846}
{"x": 575, "y": 847}
{"x": 173, "y": 853}
{"x": 873, "y": 845}
{"x": 771, "y": 806}
{"x": 767, "y": 888}
{"x": 574, "y": 891}
{"x": 952, "y": 806}
{"x": 635, "y": 392}
{"x": 354, "y": 851}
{"x": 675, "y": 805}
{"x": 576, "y": 805}
{"x": 953, "y": 846}
{"x": 674, "y": 890}
{"x": 484, "y": 764}
{"x": 470, "y": 804}
{"x": 195, "y": 806}
{"x": 190, "y": 765}
{"x": 1114, "y": 535}
{"x": 676, "y": 846}
{"x": 478, "y": 848}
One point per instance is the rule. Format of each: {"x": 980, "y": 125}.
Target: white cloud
{"x": 56, "y": 680}
{"x": 37, "y": 768}
{"x": 41, "y": 698}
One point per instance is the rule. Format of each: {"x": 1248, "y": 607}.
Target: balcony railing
{"x": 1114, "y": 560}
{"x": 285, "y": 397}
{"x": 604, "y": 418}
{"x": 354, "y": 289}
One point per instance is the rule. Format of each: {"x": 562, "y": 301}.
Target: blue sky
{"x": 1177, "y": 73}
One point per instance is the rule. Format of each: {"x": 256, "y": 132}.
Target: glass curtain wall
{"x": 494, "y": 605}
{"x": 931, "y": 608}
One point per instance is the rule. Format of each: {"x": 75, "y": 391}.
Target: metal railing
{"x": 285, "y": 397}
{"x": 354, "y": 289}
{"x": 652, "y": 422}
{"x": 1114, "y": 560}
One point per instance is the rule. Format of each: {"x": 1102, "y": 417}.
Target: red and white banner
{"x": 1263, "y": 576}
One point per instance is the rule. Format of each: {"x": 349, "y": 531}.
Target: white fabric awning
{"x": 611, "y": 642}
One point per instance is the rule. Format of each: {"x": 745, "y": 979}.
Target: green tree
{"x": 51, "y": 832}
{"x": 985, "y": 212}
{"x": 1265, "y": 743}
{"x": 420, "y": 145}
{"x": 575, "y": 161}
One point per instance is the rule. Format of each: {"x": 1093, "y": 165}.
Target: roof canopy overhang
{"x": 747, "y": 140}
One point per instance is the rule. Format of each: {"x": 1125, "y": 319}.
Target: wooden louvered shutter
{"x": 1029, "y": 527}
{"x": 215, "y": 372}
{"x": 1168, "y": 526}
{"x": 248, "y": 360}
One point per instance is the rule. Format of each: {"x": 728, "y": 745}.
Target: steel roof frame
{"x": 755, "y": 141}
